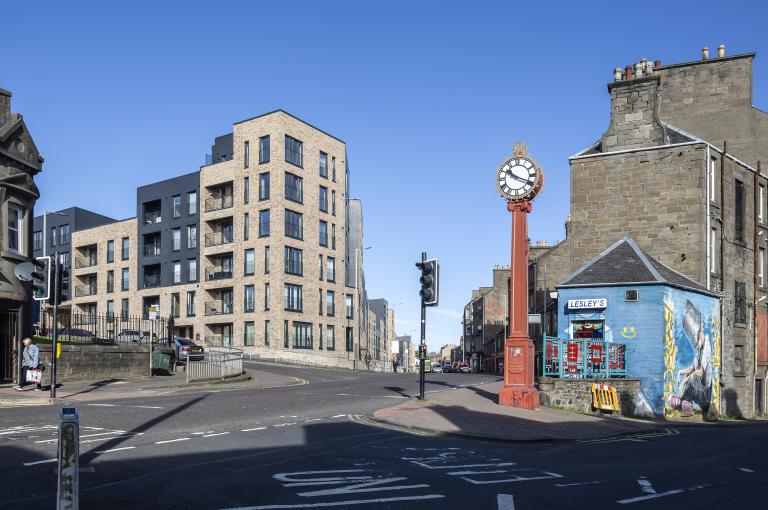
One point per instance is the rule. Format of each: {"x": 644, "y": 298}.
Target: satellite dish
{"x": 24, "y": 270}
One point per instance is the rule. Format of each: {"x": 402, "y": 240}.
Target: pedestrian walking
{"x": 394, "y": 363}
{"x": 30, "y": 361}
{"x": 368, "y": 360}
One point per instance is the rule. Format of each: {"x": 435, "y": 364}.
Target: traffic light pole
{"x": 422, "y": 347}
{"x": 56, "y": 298}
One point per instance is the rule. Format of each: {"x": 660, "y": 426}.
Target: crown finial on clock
{"x": 519, "y": 149}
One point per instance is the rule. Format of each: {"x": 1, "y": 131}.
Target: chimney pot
{"x": 628, "y": 72}
{"x": 638, "y": 70}
{"x": 657, "y": 63}
{"x": 721, "y": 51}
{"x": 617, "y": 74}
{"x": 705, "y": 53}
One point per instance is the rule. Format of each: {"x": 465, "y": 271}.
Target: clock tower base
{"x": 522, "y": 397}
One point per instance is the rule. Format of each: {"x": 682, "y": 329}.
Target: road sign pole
{"x": 422, "y": 345}
{"x": 55, "y": 343}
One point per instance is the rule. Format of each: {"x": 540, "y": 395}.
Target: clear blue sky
{"x": 429, "y": 96}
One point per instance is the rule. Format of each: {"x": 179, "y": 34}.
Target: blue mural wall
{"x": 658, "y": 331}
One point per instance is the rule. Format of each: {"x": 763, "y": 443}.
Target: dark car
{"x": 75, "y": 334}
{"x": 447, "y": 368}
{"x": 187, "y": 350}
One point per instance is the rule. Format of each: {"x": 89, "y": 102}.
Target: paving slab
{"x": 473, "y": 411}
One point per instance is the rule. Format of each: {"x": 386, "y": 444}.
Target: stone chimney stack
{"x": 5, "y": 106}
{"x": 633, "y": 110}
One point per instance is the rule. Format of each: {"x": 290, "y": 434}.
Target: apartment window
{"x": 110, "y": 281}
{"x": 294, "y": 151}
{"x": 713, "y": 250}
{"x": 333, "y": 237}
{"x": 264, "y": 149}
{"x": 64, "y": 234}
{"x": 192, "y": 202}
{"x": 175, "y": 305}
{"x": 285, "y": 334}
{"x": 333, "y": 203}
{"x": 323, "y": 164}
{"x": 249, "y": 298}
{"x": 713, "y": 179}
{"x": 349, "y": 305}
{"x": 124, "y": 309}
{"x": 761, "y": 268}
{"x": 110, "y": 251}
{"x": 739, "y": 211}
{"x": 302, "y": 335}
{"x": 124, "y": 279}
{"x": 294, "y": 224}
{"x": 264, "y": 223}
{"x": 323, "y": 199}
{"x": 191, "y": 303}
{"x": 65, "y": 259}
{"x": 330, "y": 337}
{"x": 294, "y": 187}
{"x": 761, "y": 205}
{"x": 320, "y": 341}
{"x": 330, "y": 303}
{"x": 266, "y": 332}
{"x": 350, "y": 339}
{"x": 331, "y": 270}
{"x": 266, "y": 259}
{"x": 246, "y": 154}
{"x": 54, "y": 236}
{"x": 264, "y": 186}
{"x": 293, "y": 261}
{"x": 176, "y": 239}
{"x": 740, "y": 303}
{"x": 250, "y": 333}
{"x": 323, "y": 233}
{"x": 176, "y": 206}
{"x": 37, "y": 241}
{"x": 176, "y": 265}
{"x": 250, "y": 262}
{"x": 192, "y": 270}
{"x": 110, "y": 311}
{"x": 293, "y": 299}
{"x": 320, "y": 265}
{"x": 266, "y": 296}
{"x": 320, "y": 302}
{"x": 15, "y": 228}
{"x": 191, "y": 236}
{"x": 246, "y": 226}
{"x": 246, "y": 190}
{"x": 333, "y": 167}
{"x": 125, "y": 248}
{"x": 738, "y": 360}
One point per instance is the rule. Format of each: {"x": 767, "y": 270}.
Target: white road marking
{"x": 101, "y": 405}
{"x": 312, "y": 419}
{"x": 284, "y": 424}
{"x": 117, "y": 449}
{"x": 660, "y": 494}
{"x": 505, "y": 501}
{"x": 40, "y": 462}
{"x": 251, "y": 430}
{"x": 578, "y": 483}
{"x": 515, "y": 478}
{"x": 746, "y": 470}
{"x": 172, "y": 440}
{"x": 198, "y": 433}
{"x": 365, "y": 486}
{"x": 216, "y": 434}
{"x": 26, "y": 428}
{"x": 127, "y": 436}
{"x": 645, "y": 486}
{"x": 147, "y": 407}
{"x": 341, "y": 503}
{"x": 339, "y": 416}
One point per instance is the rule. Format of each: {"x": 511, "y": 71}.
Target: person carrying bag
{"x": 32, "y": 369}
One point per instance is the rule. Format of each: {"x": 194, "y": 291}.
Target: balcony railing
{"x": 217, "y": 203}
{"x": 82, "y": 262}
{"x": 218, "y": 238}
{"x": 152, "y": 249}
{"x": 150, "y": 218}
{"x": 583, "y": 358}
{"x": 151, "y": 280}
{"x": 218, "y": 308}
{"x": 218, "y": 275}
{"x": 85, "y": 290}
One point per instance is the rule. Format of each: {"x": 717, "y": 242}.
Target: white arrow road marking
{"x": 660, "y": 494}
{"x": 505, "y": 501}
{"x": 341, "y": 503}
{"x": 645, "y": 485}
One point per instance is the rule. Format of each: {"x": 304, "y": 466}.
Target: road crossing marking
{"x": 216, "y": 434}
{"x": 172, "y": 440}
{"x": 46, "y": 461}
{"x": 101, "y": 405}
{"x": 645, "y": 486}
{"x": 577, "y": 483}
{"x": 505, "y": 501}
{"x": 660, "y": 494}
{"x": 746, "y": 470}
{"x": 117, "y": 449}
{"x": 341, "y": 503}
{"x": 251, "y": 430}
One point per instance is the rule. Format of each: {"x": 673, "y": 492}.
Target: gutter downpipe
{"x": 757, "y": 285}
{"x": 722, "y": 261}
{"x": 710, "y": 178}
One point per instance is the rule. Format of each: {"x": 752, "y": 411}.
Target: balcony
{"x": 151, "y": 280}
{"x": 152, "y": 249}
{"x": 218, "y": 308}
{"x": 83, "y": 262}
{"x": 218, "y": 238}
{"x": 85, "y": 290}
{"x": 218, "y": 275}
{"x": 217, "y": 203}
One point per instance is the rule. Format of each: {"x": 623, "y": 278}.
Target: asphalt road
{"x": 310, "y": 446}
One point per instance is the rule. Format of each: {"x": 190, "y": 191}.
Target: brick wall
{"x": 94, "y": 362}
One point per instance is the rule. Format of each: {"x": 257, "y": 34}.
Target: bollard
{"x": 67, "y": 486}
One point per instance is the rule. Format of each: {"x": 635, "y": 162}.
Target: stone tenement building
{"x": 679, "y": 170}
{"x": 20, "y": 161}
{"x": 249, "y": 252}
{"x": 485, "y": 318}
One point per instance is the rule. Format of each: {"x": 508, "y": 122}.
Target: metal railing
{"x": 218, "y": 275}
{"x": 83, "y": 290}
{"x": 151, "y": 249}
{"x": 218, "y": 238}
{"x": 152, "y": 280}
{"x": 217, "y": 203}
{"x": 84, "y": 328}
{"x": 218, "y": 308}
{"x": 83, "y": 262}
{"x": 583, "y": 358}
{"x": 218, "y": 363}
{"x": 152, "y": 217}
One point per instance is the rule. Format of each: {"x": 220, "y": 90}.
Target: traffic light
{"x": 41, "y": 279}
{"x": 422, "y": 351}
{"x": 430, "y": 280}
{"x": 62, "y": 284}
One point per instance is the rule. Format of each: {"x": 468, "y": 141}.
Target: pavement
{"x": 473, "y": 412}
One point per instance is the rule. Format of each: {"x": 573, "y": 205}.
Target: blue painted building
{"x": 669, "y": 324}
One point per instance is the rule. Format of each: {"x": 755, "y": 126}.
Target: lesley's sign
{"x": 587, "y": 304}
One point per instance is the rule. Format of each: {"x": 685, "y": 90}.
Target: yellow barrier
{"x": 604, "y": 397}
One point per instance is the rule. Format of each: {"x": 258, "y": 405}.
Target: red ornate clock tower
{"x": 519, "y": 180}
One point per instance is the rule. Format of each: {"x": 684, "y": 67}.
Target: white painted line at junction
{"x": 284, "y": 424}
{"x": 101, "y": 405}
{"x": 40, "y": 462}
{"x": 127, "y": 436}
{"x": 117, "y": 449}
{"x": 339, "y": 416}
{"x": 312, "y": 419}
{"x": 577, "y": 483}
{"x": 172, "y": 440}
{"x": 341, "y": 503}
{"x": 251, "y": 430}
{"x": 746, "y": 470}
{"x": 216, "y": 434}
{"x": 660, "y": 494}
{"x": 505, "y": 501}
{"x": 147, "y": 407}
{"x": 645, "y": 486}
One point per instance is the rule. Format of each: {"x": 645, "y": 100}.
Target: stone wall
{"x": 576, "y": 394}
{"x": 94, "y": 362}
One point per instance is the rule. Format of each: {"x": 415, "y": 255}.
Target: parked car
{"x": 437, "y": 368}
{"x": 75, "y": 334}
{"x": 464, "y": 368}
{"x": 187, "y": 349}
{"x": 447, "y": 368}
{"x": 133, "y": 335}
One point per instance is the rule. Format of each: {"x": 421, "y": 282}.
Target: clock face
{"x": 517, "y": 178}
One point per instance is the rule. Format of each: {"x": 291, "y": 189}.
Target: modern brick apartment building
{"x": 679, "y": 170}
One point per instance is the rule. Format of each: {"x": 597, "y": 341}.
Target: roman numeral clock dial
{"x": 519, "y": 177}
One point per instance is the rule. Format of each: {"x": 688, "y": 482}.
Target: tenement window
{"x": 740, "y": 303}
{"x": 294, "y": 151}
{"x": 738, "y": 204}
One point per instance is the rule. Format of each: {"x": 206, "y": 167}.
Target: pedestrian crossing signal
{"x": 41, "y": 279}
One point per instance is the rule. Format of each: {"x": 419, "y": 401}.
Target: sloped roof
{"x": 624, "y": 263}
